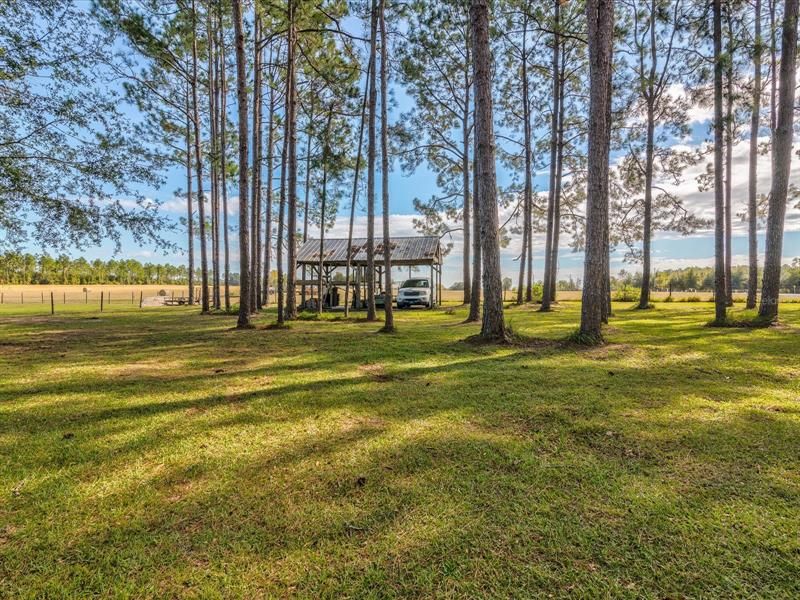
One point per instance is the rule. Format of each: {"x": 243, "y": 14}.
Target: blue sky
{"x": 669, "y": 250}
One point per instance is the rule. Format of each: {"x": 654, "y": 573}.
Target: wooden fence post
{"x": 141, "y": 297}
{"x": 42, "y": 297}
{"x": 101, "y": 300}
{"x": 86, "y": 294}
{"x": 52, "y": 304}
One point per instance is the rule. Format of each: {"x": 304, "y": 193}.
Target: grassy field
{"x": 158, "y": 453}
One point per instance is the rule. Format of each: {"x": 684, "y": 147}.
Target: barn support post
{"x": 440, "y": 282}
{"x": 434, "y": 287}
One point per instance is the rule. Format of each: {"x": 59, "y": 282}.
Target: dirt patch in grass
{"x": 376, "y": 372}
{"x": 608, "y": 351}
{"x": 350, "y": 423}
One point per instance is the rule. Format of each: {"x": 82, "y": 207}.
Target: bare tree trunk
{"x": 477, "y": 267}
{"x": 752, "y": 187}
{"x": 306, "y": 192}
{"x": 223, "y": 122}
{"x": 558, "y": 183}
{"x": 606, "y": 273}
{"x": 371, "y": 149}
{"x": 465, "y": 129}
{"x": 268, "y": 227}
{"x": 213, "y": 159}
{"x": 773, "y": 61}
{"x": 644, "y": 297}
{"x": 554, "y": 120}
{"x": 189, "y": 209}
{"x": 729, "y": 163}
{"x": 291, "y": 232}
{"x": 323, "y": 202}
{"x": 255, "y": 214}
{"x": 492, "y": 326}
{"x": 204, "y": 300}
{"x": 781, "y": 164}
{"x": 600, "y": 19}
{"x": 282, "y": 216}
{"x": 523, "y": 255}
{"x": 527, "y": 192}
{"x": 244, "y": 229}
{"x": 529, "y": 269}
{"x": 388, "y": 325}
{"x": 355, "y": 193}
{"x": 719, "y": 199}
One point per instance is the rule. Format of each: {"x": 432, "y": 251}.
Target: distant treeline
{"x": 29, "y": 269}
{"x": 702, "y": 278}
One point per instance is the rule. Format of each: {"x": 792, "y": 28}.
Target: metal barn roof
{"x": 421, "y": 250}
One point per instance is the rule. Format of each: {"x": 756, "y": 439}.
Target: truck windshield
{"x": 415, "y": 283}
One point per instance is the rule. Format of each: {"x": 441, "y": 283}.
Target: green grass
{"x": 158, "y": 453}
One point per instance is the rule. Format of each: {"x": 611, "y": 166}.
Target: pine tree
{"x": 600, "y": 20}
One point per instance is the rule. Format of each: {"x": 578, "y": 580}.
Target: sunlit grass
{"x": 160, "y": 453}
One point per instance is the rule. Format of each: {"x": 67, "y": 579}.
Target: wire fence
{"x": 104, "y": 297}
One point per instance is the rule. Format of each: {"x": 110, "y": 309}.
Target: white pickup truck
{"x": 415, "y": 292}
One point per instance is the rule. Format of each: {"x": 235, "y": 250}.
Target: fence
{"x": 74, "y": 298}
{"x": 105, "y": 297}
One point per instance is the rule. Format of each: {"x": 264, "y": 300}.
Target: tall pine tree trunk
{"x": 554, "y": 121}
{"x": 307, "y": 194}
{"x": 291, "y": 220}
{"x": 600, "y": 20}
{"x": 213, "y": 163}
{"x": 268, "y": 225}
{"x": 255, "y": 214}
{"x": 371, "y": 149}
{"x": 198, "y": 157}
{"x": 323, "y": 203}
{"x": 644, "y": 297}
{"x": 465, "y": 130}
{"x": 223, "y": 159}
{"x": 556, "y": 231}
{"x": 282, "y": 217}
{"x": 752, "y": 186}
{"x": 347, "y": 273}
{"x": 781, "y": 163}
{"x": 388, "y": 325}
{"x": 773, "y": 62}
{"x": 729, "y": 163}
{"x": 492, "y": 326}
{"x": 189, "y": 208}
{"x": 475, "y": 306}
{"x": 720, "y": 301}
{"x": 244, "y": 229}
{"x": 524, "y": 294}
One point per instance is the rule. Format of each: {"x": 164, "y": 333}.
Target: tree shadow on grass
{"x": 472, "y": 472}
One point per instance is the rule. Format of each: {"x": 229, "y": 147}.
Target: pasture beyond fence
{"x": 101, "y": 297}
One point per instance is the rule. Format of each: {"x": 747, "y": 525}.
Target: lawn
{"x": 158, "y": 453}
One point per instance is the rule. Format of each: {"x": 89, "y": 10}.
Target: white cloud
{"x": 696, "y": 113}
